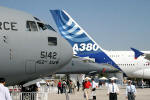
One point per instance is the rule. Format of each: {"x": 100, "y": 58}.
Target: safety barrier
{"x": 29, "y": 96}
{"x": 44, "y": 93}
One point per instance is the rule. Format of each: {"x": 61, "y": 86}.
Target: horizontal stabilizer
{"x": 137, "y": 53}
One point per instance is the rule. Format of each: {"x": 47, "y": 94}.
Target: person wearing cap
{"x": 87, "y": 86}
{"x": 113, "y": 90}
{"x": 4, "y": 92}
{"x": 130, "y": 91}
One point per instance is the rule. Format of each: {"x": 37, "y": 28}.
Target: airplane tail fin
{"x": 81, "y": 42}
{"x": 83, "y": 45}
{"x": 137, "y": 53}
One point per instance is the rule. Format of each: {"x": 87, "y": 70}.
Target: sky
{"x": 113, "y": 24}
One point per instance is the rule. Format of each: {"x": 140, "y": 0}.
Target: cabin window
{"x": 31, "y": 26}
{"x": 52, "y": 41}
{"x": 41, "y": 26}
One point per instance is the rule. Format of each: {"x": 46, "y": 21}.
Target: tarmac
{"x": 101, "y": 94}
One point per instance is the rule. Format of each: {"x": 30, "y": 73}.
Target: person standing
{"x": 130, "y": 91}
{"x": 4, "y": 92}
{"x": 87, "y": 87}
{"x": 113, "y": 90}
{"x": 47, "y": 86}
{"x": 72, "y": 87}
{"x": 52, "y": 83}
{"x": 83, "y": 85}
{"x": 59, "y": 87}
{"x": 142, "y": 82}
{"x": 94, "y": 85}
{"x": 64, "y": 86}
{"x": 38, "y": 86}
{"x": 100, "y": 84}
{"x": 78, "y": 85}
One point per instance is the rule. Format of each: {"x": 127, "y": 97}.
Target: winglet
{"x": 137, "y": 53}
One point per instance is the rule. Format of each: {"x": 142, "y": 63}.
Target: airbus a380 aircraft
{"x": 84, "y": 46}
{"x": 29, "y": 49}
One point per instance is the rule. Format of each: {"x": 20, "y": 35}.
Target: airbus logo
{"x": 85, "y": 47}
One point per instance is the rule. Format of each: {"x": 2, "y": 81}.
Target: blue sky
{"x": 113, "y": 24}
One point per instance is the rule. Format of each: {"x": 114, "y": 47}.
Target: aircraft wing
{"x": 85, "y": 59}
{"x": 32, "y": 82}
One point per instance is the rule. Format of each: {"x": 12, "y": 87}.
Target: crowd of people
{"x": 66, "y": 86}
{"x": 70, "y": 86}
{"x": 88, "y": 86}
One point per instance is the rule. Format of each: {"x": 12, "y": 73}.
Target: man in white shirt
{"x": 113, "y": 90}
{"x": 94, "y": 85}
{"x": 130, "y": 91}
{"x": 4, "y": 92}
{"x": 38, "y": 86}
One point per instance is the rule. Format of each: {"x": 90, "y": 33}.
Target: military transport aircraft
{"x": 29, "y": 48}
